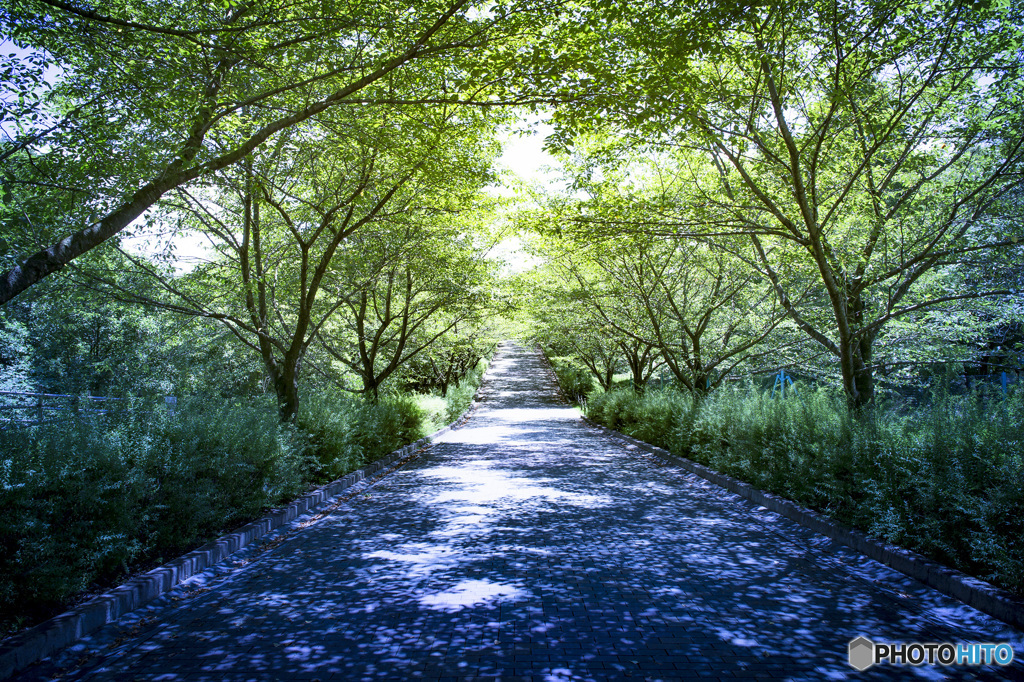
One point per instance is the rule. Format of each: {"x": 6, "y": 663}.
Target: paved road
{"x": 527, "y": 545}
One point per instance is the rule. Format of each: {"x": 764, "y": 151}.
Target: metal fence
{"x": 19, "y": 408}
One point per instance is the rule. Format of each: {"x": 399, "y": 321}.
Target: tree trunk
{"x": 286, "y": 384}
{"x": 636, "y": 370}
{"x": 371, "y": 388}
{"x": 858, "y": 377}
{"x": 856, "y": 351}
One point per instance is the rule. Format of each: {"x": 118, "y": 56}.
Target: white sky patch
{"x": 524, "y": 159}
{"x": 11, "y": 129}
{"x": 523, "y": 164}
{"x": 51, "y": 74}
{"x": 189, "y": 248}
{"x": 514, "y": 256}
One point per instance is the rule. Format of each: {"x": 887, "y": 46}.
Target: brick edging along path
{"x": 34, "y": 644}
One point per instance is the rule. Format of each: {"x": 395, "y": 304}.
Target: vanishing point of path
{"x": 528, "y": 545}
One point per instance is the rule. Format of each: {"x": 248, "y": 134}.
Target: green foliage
{"x": 160, "y": 95}
{"x": 64, "y": 338}
{"x": 943, "y": 480}
{"x": 347, "y": 431}
{"x": 15, "y": 355}
{"x": 87, "y": 498}
{"x": 574, "y": 379}
{"x": 434, "y": 411}
{"x": 877, "y": 222}
{"x": 218, "y": 464}
{"x": 460, "y": 397}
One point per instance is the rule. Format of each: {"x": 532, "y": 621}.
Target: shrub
{"x": 460, "y": 396}
{"x": 218, "y": 464}
{"x": 942, "y": 479}
{"x": 575, "y": 380}
{"x": 433, "y": 411}
{"x": 89, "y": 497}
{"x": 347, "y": 432}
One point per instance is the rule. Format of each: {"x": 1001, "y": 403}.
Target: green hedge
{"x": 87, "y": 501}
{"x": 575, "y": 380}
{"x": 347, "y": 432}
{"x": 944, "y": 480}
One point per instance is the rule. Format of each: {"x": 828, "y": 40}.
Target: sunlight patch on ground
{"x": 512, "y": 426}
{"x": 421, "y": 558}
{"x": 485, "y": 435}
{"x": 469, "y": 592}
{"x": 522, "y": 415}
{"x": 478, "y": 485}
{"x": 560, "y": 675}
{"x": 736, "y": 639}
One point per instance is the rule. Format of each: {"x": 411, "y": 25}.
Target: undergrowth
{"x": 574, "y": 379}
{"x": 87, "y": 501}
{"x": 942, "y": 479}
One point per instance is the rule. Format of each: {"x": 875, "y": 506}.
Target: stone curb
{"x": 26, "y": 648}
{"x": 972, "y": 591}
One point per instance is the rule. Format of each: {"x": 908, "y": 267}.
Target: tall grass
{"x": 575, "y": 380}
{"x": 347, "y": 432}
{"x": 946, "y": 479}
{"x": 436, "y": 412}
{"x": 88, "y": 500}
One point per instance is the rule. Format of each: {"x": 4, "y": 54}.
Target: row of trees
{"x": 845, "y": 174}
{"x": 647, "y": 304}
{"x": 332, "y": 156}
{"x": 353, "y": 245}
{"x": 745, "y": 176}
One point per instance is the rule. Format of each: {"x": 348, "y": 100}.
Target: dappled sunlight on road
{"x": 513, "y": 427}
{"x": 470, "y": 593}
{"x": 526, "y": 544}
{"x": 478, "y": 485}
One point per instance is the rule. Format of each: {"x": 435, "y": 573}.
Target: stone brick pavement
{"x": 528, "y": 545}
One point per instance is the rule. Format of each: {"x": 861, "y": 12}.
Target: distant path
{"x": 527, "y": 545}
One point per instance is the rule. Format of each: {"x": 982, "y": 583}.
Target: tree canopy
{"x": 834, "y": 187}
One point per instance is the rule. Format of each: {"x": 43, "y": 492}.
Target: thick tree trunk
{"x": 636, "y": 370}
{"x": 286, "y": 384}
{"x": 858, "y": 377}
{"x": 371, "y": 388}
{"x": 855, "y": 358}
